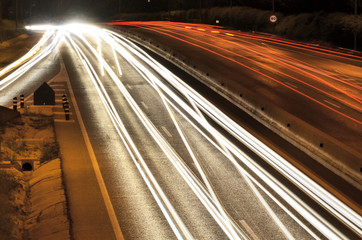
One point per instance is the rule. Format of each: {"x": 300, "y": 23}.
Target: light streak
{"x": 199, "y": 106}
{"x": 206, "y": 46}
{"x": 161, "y": 199}
{"x": 38, "y": 53}
{"x": 325, "y": 199}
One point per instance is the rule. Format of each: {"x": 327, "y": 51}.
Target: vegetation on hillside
{"x": 334, "y": 28}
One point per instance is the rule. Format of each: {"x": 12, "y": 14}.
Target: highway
{"x": 321, "y": 86}
{"x": 174, "y": 165}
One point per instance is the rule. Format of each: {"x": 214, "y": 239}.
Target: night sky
{"x": 60, "y": 9}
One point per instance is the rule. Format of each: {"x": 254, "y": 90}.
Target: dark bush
{"x": 321, "y": 27}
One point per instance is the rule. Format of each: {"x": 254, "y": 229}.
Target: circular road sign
{"x": 273, "y": 18}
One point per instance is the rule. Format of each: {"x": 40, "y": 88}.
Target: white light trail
{"x": 196, "y": 107}
{"x": 180, "y": 166}
{"x": 324, "y": 198}
{"x": 35, "y": 55}
{"x": 171, "y": 215}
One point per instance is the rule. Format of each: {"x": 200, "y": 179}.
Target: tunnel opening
{"x": 27, "y": 167}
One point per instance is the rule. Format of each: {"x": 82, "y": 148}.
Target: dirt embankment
{"x": 32, "y": 192}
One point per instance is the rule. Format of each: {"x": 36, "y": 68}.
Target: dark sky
{"x": 103, "y": 8}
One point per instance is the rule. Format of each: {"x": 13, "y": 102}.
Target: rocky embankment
{"x": 34, "y": 203}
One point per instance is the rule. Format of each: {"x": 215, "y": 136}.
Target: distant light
{"x": 39, "y": 27}
{"x": 217, "y": 21}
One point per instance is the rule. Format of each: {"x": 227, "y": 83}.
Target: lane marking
{"x": 229, "y": 34}
{"x": 201, "y": 29}
{"x": 271, "y": 213}
{"x": 166, "y": 131}
{"x": 42, "y": 106}
{"x": 59, "y": 90}
{"x": 210, "y": 170}
{"x": 97, "y": 171}
{"x": 291, "y": 84}
{"x": 58, "y": 113}
{"x": 64, "y": 121}
{"x": 56, "y": 85}
{"x": 144, "y": 105}
{"x": 330, "y": 103}
{"x": 215, "y": 31}
{"x": 249, "y": 230}
{"x": 57, "y": 81}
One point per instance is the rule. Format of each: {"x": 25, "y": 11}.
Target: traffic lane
{"x": 243, "y": 81}
{"x": 137, "y": 213}
{"x": 329, "y": 180}
{"x": 188, "y": 206}
{"x": 239, "y": 196}
{"x": 169, "y": 179}
{"x": 237, "y": 200}
{"x": 257, "y": 57}
{"x": 17, "y": 48}
{"x": 42, "y": 72}
{"x": 166, "y": 129}
{"x": 232, "y": 199}
{"x": 313, "y": 50}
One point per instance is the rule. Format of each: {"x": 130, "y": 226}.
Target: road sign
{"x": 273, "y": 18}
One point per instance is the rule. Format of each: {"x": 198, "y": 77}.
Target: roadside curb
{"x": 88, "y": 208}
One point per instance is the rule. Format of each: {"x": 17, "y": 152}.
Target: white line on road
{"x": 64, "y": 121}
{"x": 58, "y": 113}
{"x": 330, "y": 103}
{"x": 291, "y": 84}
{"x": 97, "y": 171}
{"x": 144, "y": 105}
{"x": 166, "y": 131}
{"x": 249, "y": 230}
{"x": 59, "y": 89}
{"x": 57, "y": 85}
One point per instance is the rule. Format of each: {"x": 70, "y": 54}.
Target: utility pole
{"x": 200, "y": 11}
{"x": 273, "y": 6}
{"x": 16, "y": 13}
{"x": 355, "y": 31}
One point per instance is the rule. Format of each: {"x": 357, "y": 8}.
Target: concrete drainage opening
{"x": 27, "y": 167}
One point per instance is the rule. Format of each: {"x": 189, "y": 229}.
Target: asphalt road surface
{"x": 173, "y": 164}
